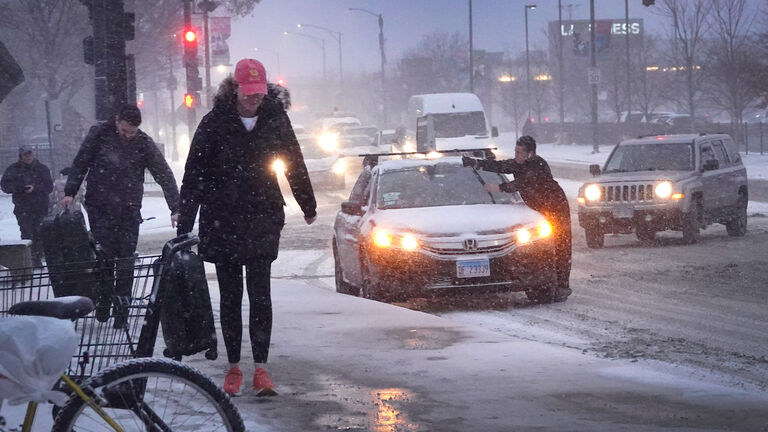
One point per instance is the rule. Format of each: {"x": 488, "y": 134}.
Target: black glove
{"x": 469, "y": 162}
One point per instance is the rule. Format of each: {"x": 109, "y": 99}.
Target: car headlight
{"x": 544, "y": 229}
{"x": 339, "y": 167}
{"x": 384, "y": 239}
{"x": 328, "y": 141}
{"x": 663, "y": 190}
{"x": 408, "y": 242}
{"x": 278, "y": 166}
{"x": 592, "y": 192}
{"x": 523, "y": 236}
{"x": 526, "y": 235}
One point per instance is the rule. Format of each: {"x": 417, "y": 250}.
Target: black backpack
{"x": 186, "y": 314}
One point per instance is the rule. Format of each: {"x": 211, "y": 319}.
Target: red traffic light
{"x": 281, "y": 82}
{"x": 189, "y": 100}
{"x": 190, "y": 36}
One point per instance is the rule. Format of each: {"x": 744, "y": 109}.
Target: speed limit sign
{"x": 593, "y": 75}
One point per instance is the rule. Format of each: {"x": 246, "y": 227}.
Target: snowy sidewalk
{"x": 345, "y": 363}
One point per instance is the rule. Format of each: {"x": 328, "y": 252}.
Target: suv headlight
{"x": 592, "y": 192}
{"x": 663, "y": 190}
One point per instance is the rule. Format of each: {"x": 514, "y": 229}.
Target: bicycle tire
{"x": 154, "y": 389}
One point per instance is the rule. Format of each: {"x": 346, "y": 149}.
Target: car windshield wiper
{"x": 482, "y": 182}
{"x": 615, "y": 171}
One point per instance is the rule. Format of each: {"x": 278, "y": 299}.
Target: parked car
{"x": 414, "y": 226}
{"x": 666, "y": 182}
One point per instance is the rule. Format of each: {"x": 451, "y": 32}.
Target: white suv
{"x": 666, "y": 182}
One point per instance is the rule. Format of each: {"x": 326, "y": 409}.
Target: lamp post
{"x": 322, "y": 45}
{"x": 471, "y": 55}
{"x": 383, "y": 62}
{"x": 626, "y": 41}
{"x": 336, "y": 35}
{"x": 527, "y": 60}
{"x": 593, "y": 63}
{"x": 277, "y": 55}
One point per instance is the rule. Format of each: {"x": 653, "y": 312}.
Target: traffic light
{"x": 192, "y": 100}
{"x": 190, "y": 38}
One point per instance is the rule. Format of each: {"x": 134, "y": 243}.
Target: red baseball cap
{"x": 251, "y": 76}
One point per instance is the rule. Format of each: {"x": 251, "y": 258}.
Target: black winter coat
{"x": 17, "y": 176}
{"x": 534, "y": 182}
{"x": 115, "y": 171}
{"x": 229, "y": 176}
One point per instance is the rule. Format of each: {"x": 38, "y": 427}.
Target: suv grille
{"x": 627, "y": 193}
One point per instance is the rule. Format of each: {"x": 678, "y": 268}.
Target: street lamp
{"x": 276, "y": 53}
{"x": 336, "y": 35}
{"x": 527, "y": 60}
{"x": 383, "y": 61}
{"x": 322, "y": 45}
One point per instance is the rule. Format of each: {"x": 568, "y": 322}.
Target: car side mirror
{"x": 594, "y": 169}
{"x": 711, "y": 165}
{"x": 352, "y": 208}
{"x": 494, "y": 132}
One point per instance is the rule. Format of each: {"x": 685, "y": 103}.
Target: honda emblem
{"x": 470, "y": 244}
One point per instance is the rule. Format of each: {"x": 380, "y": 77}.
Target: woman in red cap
{"x": 229, "y": 177}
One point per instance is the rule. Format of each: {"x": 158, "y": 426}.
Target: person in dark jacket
{"x": 114, "y": 156}
{"x": 29, "y": 182}
{"x": 533, "y": 180}
{"x": 229, "y": 177}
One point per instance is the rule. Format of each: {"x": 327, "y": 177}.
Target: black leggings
{"x": 230, "y": 278}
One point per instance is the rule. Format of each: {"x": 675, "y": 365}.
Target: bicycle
{"x": 112, "y": 382}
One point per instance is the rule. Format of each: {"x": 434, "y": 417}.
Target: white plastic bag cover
{"x": 34, "y": 352}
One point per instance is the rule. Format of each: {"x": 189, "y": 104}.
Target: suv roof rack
{"x": 372, "y": 159}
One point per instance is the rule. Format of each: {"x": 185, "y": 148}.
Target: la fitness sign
{"x": 614, "y": 27}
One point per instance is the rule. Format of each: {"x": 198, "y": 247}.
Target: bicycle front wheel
{"x": 151, "y": 395}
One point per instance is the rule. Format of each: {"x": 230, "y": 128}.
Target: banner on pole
{"x": 220, "y": 28}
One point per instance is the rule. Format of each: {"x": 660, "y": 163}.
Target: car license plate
{"x": 624, "y": 212}
{"x": 473, "y": 268}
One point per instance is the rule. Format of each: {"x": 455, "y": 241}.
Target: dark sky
{"x": 498, "y": 26}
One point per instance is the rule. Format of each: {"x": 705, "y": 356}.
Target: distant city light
{"x": 507, "y": 78}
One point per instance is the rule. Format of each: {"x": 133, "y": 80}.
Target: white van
{"x": 456, "y": 120}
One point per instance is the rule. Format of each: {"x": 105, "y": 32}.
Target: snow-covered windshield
{"x": 651, "y": 157}
{"x": 441, "y": 184}
{"x": 454, "y": 125}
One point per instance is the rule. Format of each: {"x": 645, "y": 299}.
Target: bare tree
{"x": 653, "y": 83}
{"x": 689, "y": 24}
{"x": 445, "y": 57}
{"x": 759, "y": 76}
{"x": 730, "y": 59}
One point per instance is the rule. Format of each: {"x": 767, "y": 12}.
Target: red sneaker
{"x": 262, "y": 383}
{"x": 233, "y": 381}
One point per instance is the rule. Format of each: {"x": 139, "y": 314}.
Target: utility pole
{"x": 207, "y": 6}
{"x": 593, "y": 63}
{"x": 114, "y": 72}
{"x": 383, "y": 62}
{"x": 471, "y": 55}
{"x": 561, "y": 86}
